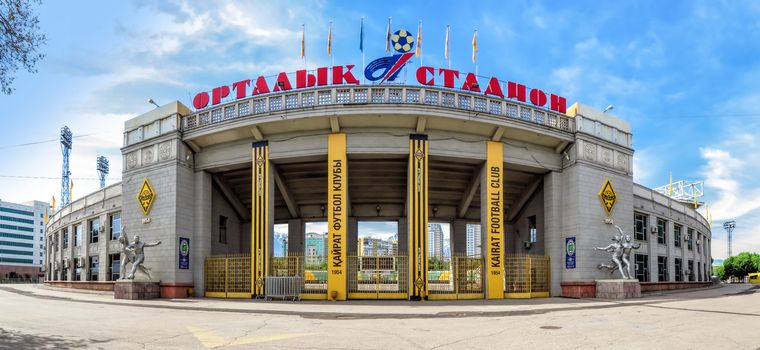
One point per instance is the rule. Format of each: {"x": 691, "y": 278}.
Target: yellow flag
{"x": 71, "y": 190}
{"x": 303, "y": 40}
{"x": 329, "y": 40}
{"x": 46, "y": 216}
{"x": 475, "y": 46}
{"x": 446, "y": 51}
{"x": 418, "y": 52}
{"x": 52, "y": 205}
{"x": 671, "y": 184}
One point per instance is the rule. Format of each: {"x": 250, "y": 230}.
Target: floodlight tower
{"x": 729, "y": 227}
{"x": 102, "y": 167}
{"x": 66, "y": 143}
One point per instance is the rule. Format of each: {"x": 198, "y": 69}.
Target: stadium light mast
{"x": 729, "y": 227}
{"x": 102, "y": 168}
{"x": 66, "y": 145}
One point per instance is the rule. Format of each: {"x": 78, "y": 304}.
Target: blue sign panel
{"x": 184, "y": 253}
{"x": 570, "y": 252}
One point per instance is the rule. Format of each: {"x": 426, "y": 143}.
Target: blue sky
{"x": 684, "y": 74}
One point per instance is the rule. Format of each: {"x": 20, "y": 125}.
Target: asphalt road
{"x": 36, "y": 317}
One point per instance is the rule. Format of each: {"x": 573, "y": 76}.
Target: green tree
{"x": 741, "y": 265}
{"x": 718, "y": 271}
{"x": 20, "y": 40}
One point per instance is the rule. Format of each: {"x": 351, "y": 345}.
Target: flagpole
{"x": 475, "y": 51}
{"x": 361, "y": 47}
{"x": 448, "y": 57}
{"x": 331, "y": 55}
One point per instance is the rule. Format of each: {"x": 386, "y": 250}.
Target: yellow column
{"x": 417, "y": 215}
{"x": 494, "y": 187}
{"x": 337, "y": 218}
{"x": 259, "y": 217}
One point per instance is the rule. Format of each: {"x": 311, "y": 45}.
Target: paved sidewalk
{"x": 368, "y": 308}
{"x": 37, "y": 317}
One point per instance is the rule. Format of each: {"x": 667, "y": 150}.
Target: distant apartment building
{"x": 22, "y": 242}
{"x": 435, "y": 240}
{"x": 370, "y": 246}
{"x": 315, "y": 248}
{"x": 473, "y": 239}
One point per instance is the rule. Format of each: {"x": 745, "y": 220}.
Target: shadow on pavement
{"x": 17, "y": 340}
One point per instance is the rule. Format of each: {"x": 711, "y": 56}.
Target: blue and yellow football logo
{"x": 402, "y": 41}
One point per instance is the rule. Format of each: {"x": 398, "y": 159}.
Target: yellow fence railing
{"x": 377, "y": 277}
{"x": 455, "y": 277}
{"x": 382, "y": 277}
{"x": 527, "y": 276}
{"x": 228, "y": 276}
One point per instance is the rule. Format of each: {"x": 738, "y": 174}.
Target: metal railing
{"x": 377, "y": 277}
{"x": 228, "y": 276}
{"x": 312, "y": 268}
{"x": 379, "y": 95}
{"x": 455, "y": 277}
{"x": 526, "y": 276}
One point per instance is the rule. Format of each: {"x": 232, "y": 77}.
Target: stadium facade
{"x": 545, "y": 183}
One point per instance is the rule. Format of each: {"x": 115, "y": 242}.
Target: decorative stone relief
{"x": 589, "y": 151}
{"x": 606, "y": 156}
{"x": 132, "y": 160}
{"x": 165, "y": 151}
{"x": 148, "y": 156}
{"x": 622, "y": 161}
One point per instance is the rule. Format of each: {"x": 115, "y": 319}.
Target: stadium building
{"x": 543, "y": 183}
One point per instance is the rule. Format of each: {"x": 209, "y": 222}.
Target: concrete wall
{"x": 221, "y": 207}
{"x": 518, "y": 231}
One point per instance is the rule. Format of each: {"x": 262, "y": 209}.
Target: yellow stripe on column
{"x": 418, "y": 215}
{"x": 337, "y": 218}
{"x": 259, "y": 217}
{"x": 495, "y": 223}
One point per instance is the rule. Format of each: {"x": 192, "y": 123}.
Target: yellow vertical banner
{"x": 494, "y": 226}
{"x": 417, "y": 216}
{"x": 337, "y": 216}
{"x": 259, "y": 217}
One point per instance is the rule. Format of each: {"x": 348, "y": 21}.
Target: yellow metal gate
{"x": 228, "y": 276}
{"x": 377, "y": 277}
{"x": 527, "y": 276}
{"x": 456, "y": 277}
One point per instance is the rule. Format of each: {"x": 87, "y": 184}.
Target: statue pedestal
{"x": 136, "y": 290}
{"x": 618, "y": 289}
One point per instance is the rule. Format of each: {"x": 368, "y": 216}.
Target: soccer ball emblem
{"x": 402, "y": 41}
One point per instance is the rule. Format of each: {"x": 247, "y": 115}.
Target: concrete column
{"x": 105, "y": 238}
{"x": 352, "y": 237}
{"x": 459, "y": 237}
{"x": 554, "y": 240}
{"x": 295, "y": 237}
{"x": 669, "y": 243}
{"x": 200, "y": 245}
{"x": 652, "y": 248}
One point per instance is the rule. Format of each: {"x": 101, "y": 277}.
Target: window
{"x": 65, "y": 238}
{"x": 662, "y": 268}
{"x": 677, "y": 235}
{"x": 679, "y": 269}
{"x": 532, "y": 229}
{"x": 690, "y": 272}
{"x": 94, "y": 226}
{"x": 690, "y": 239}
{"x": 114, "y": 265}
{"x": 662, "y": 227}
{"x": 65, "y": 274}
{"x": 114, "y": 225}
{"x": 699, "y": 242}
{"x": 223, "y": 229}
{"x": 642, "y": 267}
{"x": 78, "y": 236}
{"x": 93, "y": 268}
{"x": 699, "y": 273}
{"x": 640, "y": 226}
{"x": 77, "y": 270}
